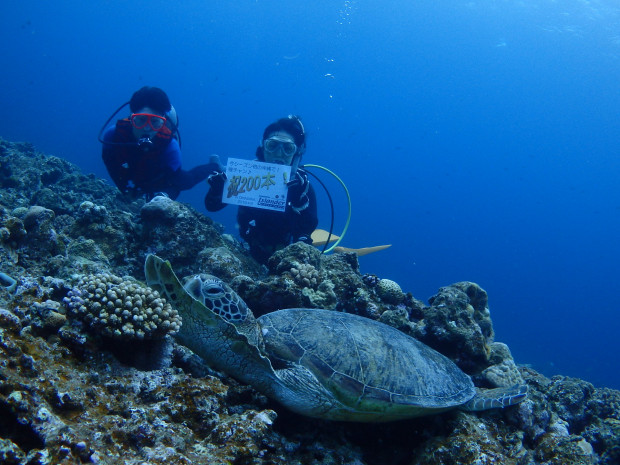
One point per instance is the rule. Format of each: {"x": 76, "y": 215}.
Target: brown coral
{"x": 122, "y": 308}
{"x": 305, "y": 275}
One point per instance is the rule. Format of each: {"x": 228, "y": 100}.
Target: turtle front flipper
{"x": 496, "y": 398}
{"x": 226, "y": 341}
{"x": 160, "y": 277}
{"x": 196, "y": 319}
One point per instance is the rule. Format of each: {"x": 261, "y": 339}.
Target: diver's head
{"x": 151, "y": 112}
{"x": 283, "y": 141}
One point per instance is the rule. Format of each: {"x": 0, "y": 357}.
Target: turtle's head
{"x": 217, "y": 296}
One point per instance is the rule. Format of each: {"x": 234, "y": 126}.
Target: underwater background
{"x": 479, "y": 138}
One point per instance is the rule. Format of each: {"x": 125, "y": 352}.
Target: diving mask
{"x": 272, "y": 145}
{"x": 140, "y": 120}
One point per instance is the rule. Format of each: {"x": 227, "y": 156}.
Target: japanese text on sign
{"x": 256, "y": 184}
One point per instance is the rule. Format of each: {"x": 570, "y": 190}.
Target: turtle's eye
{"x": 212, "y": 290}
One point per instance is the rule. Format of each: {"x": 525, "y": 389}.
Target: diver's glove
{"x": 213, "y": 199}
{"x": 216, "y": 180}
{"x": 298, "y": 192}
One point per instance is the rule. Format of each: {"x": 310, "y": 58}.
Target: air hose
{"x": 346, "y": 226}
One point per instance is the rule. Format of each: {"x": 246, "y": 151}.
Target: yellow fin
{"x": 363, "y": 250}
{"x": 319, "y": 237}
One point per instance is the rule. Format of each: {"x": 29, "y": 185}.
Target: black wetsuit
{"x": 142, "y": 172}
{"x": 267, "y": 231}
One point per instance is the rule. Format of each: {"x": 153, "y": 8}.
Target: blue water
{"x": 479, "y": 138}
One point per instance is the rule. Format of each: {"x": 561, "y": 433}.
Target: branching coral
{"x": 122, "y": 308}
{"x": 305, "y": 275}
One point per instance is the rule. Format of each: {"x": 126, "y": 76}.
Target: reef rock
{"x": 91, "y": 376}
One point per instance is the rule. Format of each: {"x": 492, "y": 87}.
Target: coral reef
{"x": 88, "y": 212}
{"x": 371, "y": 280}
{"x": 122, "y": 308}
{"x": 68, "y": 394}
{"x": 459, "y": 326}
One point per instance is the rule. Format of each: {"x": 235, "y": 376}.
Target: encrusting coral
{"x": 122, "y": 308}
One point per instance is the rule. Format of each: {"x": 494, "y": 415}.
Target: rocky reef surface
{"x": 90, "y": 371}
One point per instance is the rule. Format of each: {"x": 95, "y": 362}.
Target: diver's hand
{"x": 214, "y": 159}
{"x": 299, "y": 182}
{"x": 216, "y": 180}
{"x": 298, "y": 192}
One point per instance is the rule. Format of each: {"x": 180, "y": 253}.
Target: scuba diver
{"x": 143, "y": 153}
{"x": 266, "y": 231}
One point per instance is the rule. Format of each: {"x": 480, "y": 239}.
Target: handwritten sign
{"x": 256, "y": 184}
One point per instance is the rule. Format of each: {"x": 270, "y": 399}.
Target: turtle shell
{"x": 367, "y": 366}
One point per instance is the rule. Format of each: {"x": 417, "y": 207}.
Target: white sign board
{"x": 252, "y": 183}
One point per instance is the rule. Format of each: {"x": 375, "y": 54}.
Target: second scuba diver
{"x": 142, "y": 152}
{"x": 266, "y": 231}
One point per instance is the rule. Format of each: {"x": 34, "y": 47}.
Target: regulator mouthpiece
{"x": 145, "y": 143}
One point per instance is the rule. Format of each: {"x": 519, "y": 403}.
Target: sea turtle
{"x": 320, "y": 363}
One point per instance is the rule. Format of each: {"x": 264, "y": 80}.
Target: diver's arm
{"x": 186, "y": 179}
{"x": 118, "y": 172}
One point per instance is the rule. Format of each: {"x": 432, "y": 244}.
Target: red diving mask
{"x": 140, "y": 120}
